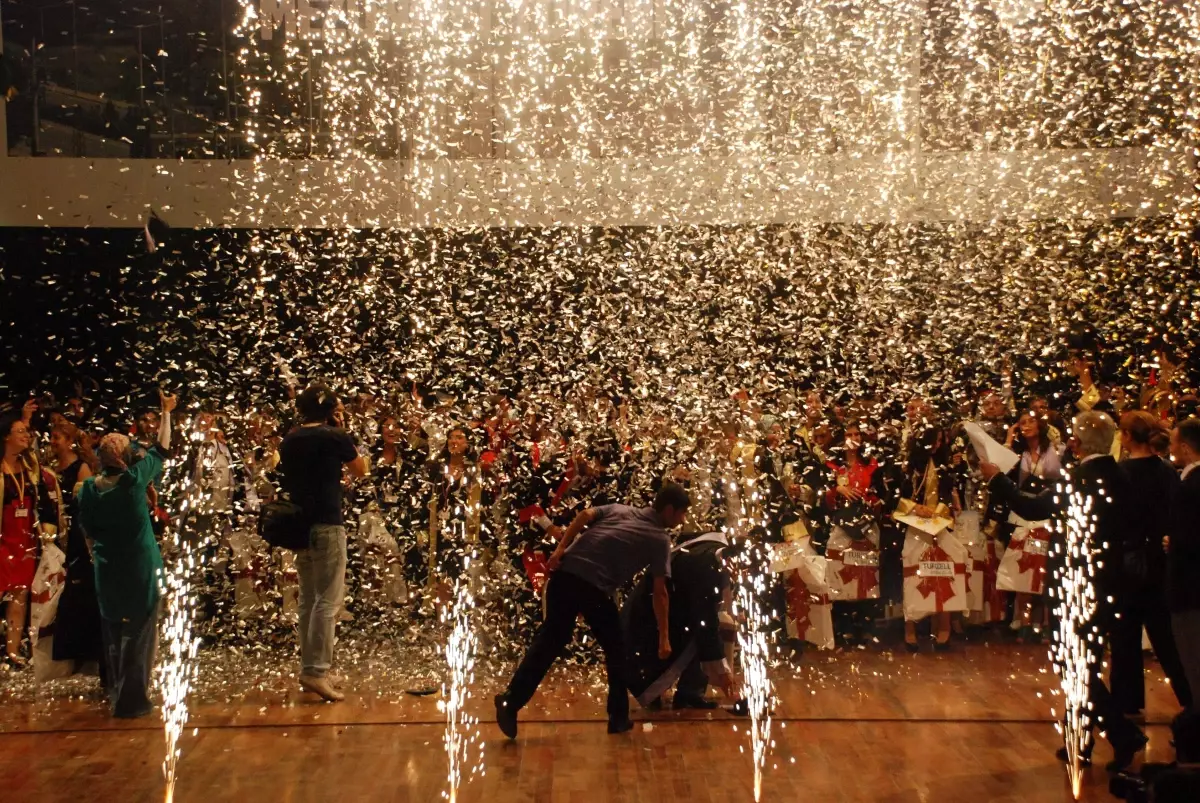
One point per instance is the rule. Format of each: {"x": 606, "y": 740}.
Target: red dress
{"x": 858, "y": 477}
{"x": 18, "y": 547}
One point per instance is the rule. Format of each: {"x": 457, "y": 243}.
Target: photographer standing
{"x": 311, "y": 460}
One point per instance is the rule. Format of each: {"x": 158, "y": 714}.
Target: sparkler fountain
{"x": 754, "y": 651}
{"x": 176, "y": 670}
{"x": 752, "y": 587}
{"x": 462, "y": 729}
{"x": 1077, "y": 644}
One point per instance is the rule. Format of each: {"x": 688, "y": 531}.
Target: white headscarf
{"x": 114, "y": 451}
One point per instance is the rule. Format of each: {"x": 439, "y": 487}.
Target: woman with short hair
{"x": 459, "y": 494}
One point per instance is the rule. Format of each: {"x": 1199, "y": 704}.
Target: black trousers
{"x": 853, "y": 621}
{"x": 1106, "y": 711}
{"x": 568, "y": 597}
{"x": 1148, "y": 610}
{"x": 1107, "y": 715}
{"x": 693, "y": 682}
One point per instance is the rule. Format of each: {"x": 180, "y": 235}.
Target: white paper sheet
{"x": 989, "y": 449}
{"x": 931, "y": 526}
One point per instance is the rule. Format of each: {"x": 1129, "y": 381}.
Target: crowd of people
{"x": 866, "y": 509}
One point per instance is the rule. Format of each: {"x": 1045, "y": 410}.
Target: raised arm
{"x": 355, "y": 461}
{"x": 1006, "y": 388}
{"x": 146, "y": 470}
{"x": 167, "y": 403}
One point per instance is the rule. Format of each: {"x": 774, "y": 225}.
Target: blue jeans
{"x": 322, "y": 570}
{"x": 129, "y": 650}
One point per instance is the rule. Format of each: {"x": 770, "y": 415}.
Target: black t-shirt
{"x": 311, "y": 460}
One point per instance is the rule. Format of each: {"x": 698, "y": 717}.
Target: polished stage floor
{"x": 873, "y": 725}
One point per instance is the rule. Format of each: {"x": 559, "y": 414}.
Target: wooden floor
{"x": 871, "y": 725}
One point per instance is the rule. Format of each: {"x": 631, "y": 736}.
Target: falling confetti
{"x": 646, "y": 223}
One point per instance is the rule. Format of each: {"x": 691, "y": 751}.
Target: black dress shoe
{"x": 1123, "y": 755}
{"x": 138, "y": 714}
{"x": 942, "y": 646}
{"x": 506, "y": 716}
{"x": 1084, "y": 760}
{"x": 683, "y": 701}
{"x": 912, "y": 646}
{"x": 620, "y": 725}
{"x": 741, "y": 708}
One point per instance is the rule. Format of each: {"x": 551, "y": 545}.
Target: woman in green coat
{"x": 129, "y": 567}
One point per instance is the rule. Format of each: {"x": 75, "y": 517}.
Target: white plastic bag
{"x": 852, "y": 572}
{"x": 48, "y": 583}
{"x": 373, "y": 530}
{"x": 935, "y": 574}
{"x": 809, "y": 609}
{"x": 1023, "y": 567}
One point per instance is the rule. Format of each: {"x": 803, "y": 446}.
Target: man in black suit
{"x": 1097, "y": 475}
{"x": 698, "y": 585}
{"x": 1183, "y": 551}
